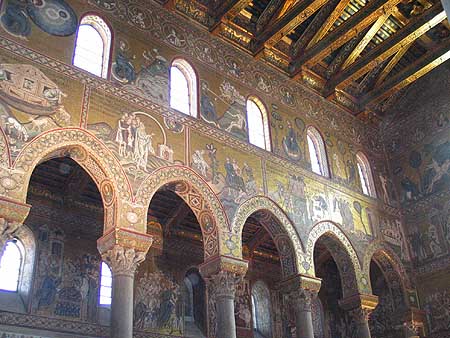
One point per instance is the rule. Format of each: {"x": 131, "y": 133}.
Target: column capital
{"x": 301, "y": 290}
{"x": 224, "y": 283}
{"x": 12, "y": 215}
{"x": 359, "y": 306}
{"x": 124, "y": 250}
{"x": 224, "y": 274}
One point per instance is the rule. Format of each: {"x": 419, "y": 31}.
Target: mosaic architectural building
{"x": 224, "y": 169}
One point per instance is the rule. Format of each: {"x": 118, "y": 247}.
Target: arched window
{"x": 183, "y": 87}
{"x": 93, "y": 46}
{"x": 261, "y": 309}
{"x": 105, "y": 295}
{"x": 258, "y": 124}
{"x": 11, "y": 265}
{"x": 317, "y": 153}
{"x": 365, "y": 175}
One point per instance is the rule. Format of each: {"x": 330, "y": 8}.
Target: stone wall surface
{"x": 418, "y": 144}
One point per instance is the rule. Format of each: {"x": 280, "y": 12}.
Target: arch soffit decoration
{"x": 389, "y": 262}
{"x": 197, "y": 194}
{"x": 89, "y": 153}
{"x": 287, "y": 233}
{"x": 353, "y": 278}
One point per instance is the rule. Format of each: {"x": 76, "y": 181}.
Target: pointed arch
{"x": 197, "y": 194}
{"x": 391, "y": 267}
{"x": 343, "y": 253}
{"x": 279, "y": 226}
{"x": 92, "y": 155}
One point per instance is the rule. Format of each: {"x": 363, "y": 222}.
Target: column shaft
{"x": 226, "y": 325}
{"x": 304, "y": 323}
{"x": 122, "y": 306}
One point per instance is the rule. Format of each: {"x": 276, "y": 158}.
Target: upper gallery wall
{"x": 47, "y": 93}
{"x": 418, "y": 142}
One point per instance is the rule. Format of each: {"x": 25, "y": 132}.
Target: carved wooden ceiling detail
{"x": 357, "y": 53}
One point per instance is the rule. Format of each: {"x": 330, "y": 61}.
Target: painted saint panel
{"x": 142, "y": 141}
{"x": 235, "y": 176}
{"x": 288, "y": 136}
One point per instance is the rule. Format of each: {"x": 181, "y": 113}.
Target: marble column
{"x": 12, "y": 215}
{"x": 123, "y": 251}
{"x": 359, "y": 307}
{"x": 223, "y": 286}
{"x": 303, "y": 313}
{"x": 360, "y": 319}
{"x": 222, "y": 276}
{"x": 300, "y": 291}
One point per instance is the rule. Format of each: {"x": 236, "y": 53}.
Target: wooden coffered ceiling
{"x": 357, "y": 53}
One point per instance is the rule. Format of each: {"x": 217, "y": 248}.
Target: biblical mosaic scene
{"x": 224, "y": 169}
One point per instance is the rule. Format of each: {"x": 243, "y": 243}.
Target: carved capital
{"x": 223, "y": 274}
{"x": 301, "y": 299}
{"x": 224, "y": 283}
{"x": 123, "y": 261}
{"x": 359, "y": 306}
{"x": 360, "y": 314}
{"x": 124, "y": 250}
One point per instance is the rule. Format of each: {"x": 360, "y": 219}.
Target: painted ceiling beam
{"x": 274, "y": 32}
{"x": 343, "y": 33}
{"x": 416, "y": 70}
{"x": 392, "y": 63}
{"x": 326, "y": 26}
{"x": 367, "y": 38}
{"x": 313, "y": 28}
{"x": 343, "y": 54}
{"x": 175, "y": 217}
{"x": 404, "y": 36}
{"x": 274, "y": 7}
{"x": 225, "y": 11}
{"x": 258, "y": 238}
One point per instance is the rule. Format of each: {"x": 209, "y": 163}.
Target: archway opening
{"x": 169, "y": 292}
{"x": 328, "y": 318}
{"x": 334, "y": 266}
{"x": 386, "y": 321}
{"x": 259, "y": 302}
{"x": 66, "y": 219}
